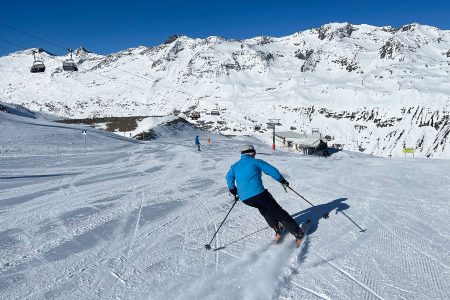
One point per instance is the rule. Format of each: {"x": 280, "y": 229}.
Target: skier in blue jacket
{"x": 246, "y": 174}
{"x": 197, "y": 142}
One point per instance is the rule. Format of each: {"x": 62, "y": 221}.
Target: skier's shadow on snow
{"x": 315, "y": 214}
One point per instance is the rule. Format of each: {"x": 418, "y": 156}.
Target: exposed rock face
{"x": 409, "y": 27}
{"x": 349, "y": 65}
{"x": 172, "y": 39}
{"x": 330, "y": 31}
{"x": 390, "y": 49}
{"x": 81, "y": 51}
{"x": 304, "y": 54}
{"x": 312, "y": 61}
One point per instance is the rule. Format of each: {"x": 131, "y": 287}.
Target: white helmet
{"x": 248, "y": 149}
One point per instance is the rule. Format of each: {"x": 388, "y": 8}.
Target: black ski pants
{"x": 273, "y": 212}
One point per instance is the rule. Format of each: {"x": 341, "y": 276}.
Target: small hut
{"x": 305, "y": 143}
{"x": 195, "y": 115}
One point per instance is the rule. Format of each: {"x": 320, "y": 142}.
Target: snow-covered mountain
{"x": 372, "y": 89}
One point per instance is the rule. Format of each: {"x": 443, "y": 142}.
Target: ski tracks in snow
{"x": 263, "y": 273}
{"x": 351, "y": 277}
{"x": 93, "y": 236}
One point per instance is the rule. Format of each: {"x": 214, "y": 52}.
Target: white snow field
{"x": 129, "y": 220}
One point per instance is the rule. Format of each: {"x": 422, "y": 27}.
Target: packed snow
{"x": 125, "y": 219}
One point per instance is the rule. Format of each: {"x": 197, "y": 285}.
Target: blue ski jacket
{"x": 197, "y": 141}
{"x": 246, "y": 174}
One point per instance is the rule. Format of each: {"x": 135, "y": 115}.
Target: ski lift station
{"x": 216, "y": 111}
{"x": 306, "y": 143}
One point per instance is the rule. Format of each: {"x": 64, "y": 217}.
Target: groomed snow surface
{"x": 129, "y": 220}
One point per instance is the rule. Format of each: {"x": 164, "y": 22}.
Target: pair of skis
{"x": 305, "y": 228}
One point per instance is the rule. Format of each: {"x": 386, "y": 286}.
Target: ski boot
{"x": 278, "y": 232}
{"x": 298, "y": 237}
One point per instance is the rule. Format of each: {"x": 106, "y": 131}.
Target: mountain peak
{"x": 332, "y": 30}
{"x": 172, "y": 39}
{"x": 410, "y": 27}
{"x": 81, "y": 50}
{"x": 40, "y": 51}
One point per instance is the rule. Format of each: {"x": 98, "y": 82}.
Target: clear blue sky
{"x": 109, "y": 26}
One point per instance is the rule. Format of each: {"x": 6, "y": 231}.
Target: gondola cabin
{"x": 37, "y": 67}
{"x": 69, "y": 65}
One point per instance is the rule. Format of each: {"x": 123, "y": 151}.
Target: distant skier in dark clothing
{"x": 246, "y": 174}
{"x": 323, "y": 147}
{"x": 197, "y": 142}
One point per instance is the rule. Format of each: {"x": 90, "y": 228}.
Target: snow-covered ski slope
{"x": 371, "y": 89}
{"x": 129, "y": 220}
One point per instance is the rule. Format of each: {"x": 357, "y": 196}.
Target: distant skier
{"x": 323, "y": 148}
{"x": 197, "y": 142}
{"x": 246, "y": 174}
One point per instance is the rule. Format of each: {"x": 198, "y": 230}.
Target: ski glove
{"x": 284, "y": 183}
{"x": 233, "y": 191}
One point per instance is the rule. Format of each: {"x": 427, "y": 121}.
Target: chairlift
{"x": 216, "y": 111}
{"x": 272, "y": 123}
{"x": 69, "y": 64}
{"x": 38, "y": 66}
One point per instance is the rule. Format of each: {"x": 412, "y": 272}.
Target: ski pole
{"x": 359, "y": 227}
{"x": 208, "y": 246}
{"x": 325, "y": 215}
